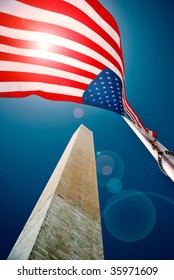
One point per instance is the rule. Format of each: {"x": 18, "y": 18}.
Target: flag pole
{"x": 164, "y": 157}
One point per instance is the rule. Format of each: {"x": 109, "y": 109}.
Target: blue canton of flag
{"x": 105, "y": 91}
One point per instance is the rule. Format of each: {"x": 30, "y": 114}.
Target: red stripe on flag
{"x": 50, "y": 5}
{"x": 7, "y": 76}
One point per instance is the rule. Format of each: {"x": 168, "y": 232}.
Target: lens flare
{"x": 130, "y": 216}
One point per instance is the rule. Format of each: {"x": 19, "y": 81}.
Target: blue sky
{"x": 35, "y": 132}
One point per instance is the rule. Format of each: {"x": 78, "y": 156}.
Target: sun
{"x": 43, "y": 42}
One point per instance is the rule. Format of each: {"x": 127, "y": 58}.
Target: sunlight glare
{"x": 43, "y": 41}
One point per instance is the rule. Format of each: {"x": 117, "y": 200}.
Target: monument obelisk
{"x": 65, "y": 223}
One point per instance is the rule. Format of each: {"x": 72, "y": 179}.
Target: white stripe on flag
{"x": 34, "y": 86}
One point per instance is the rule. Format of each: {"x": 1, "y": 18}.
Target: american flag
{"x": 66, "y": 50}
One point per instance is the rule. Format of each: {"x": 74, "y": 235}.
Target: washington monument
{"x": 65, "y": 223}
